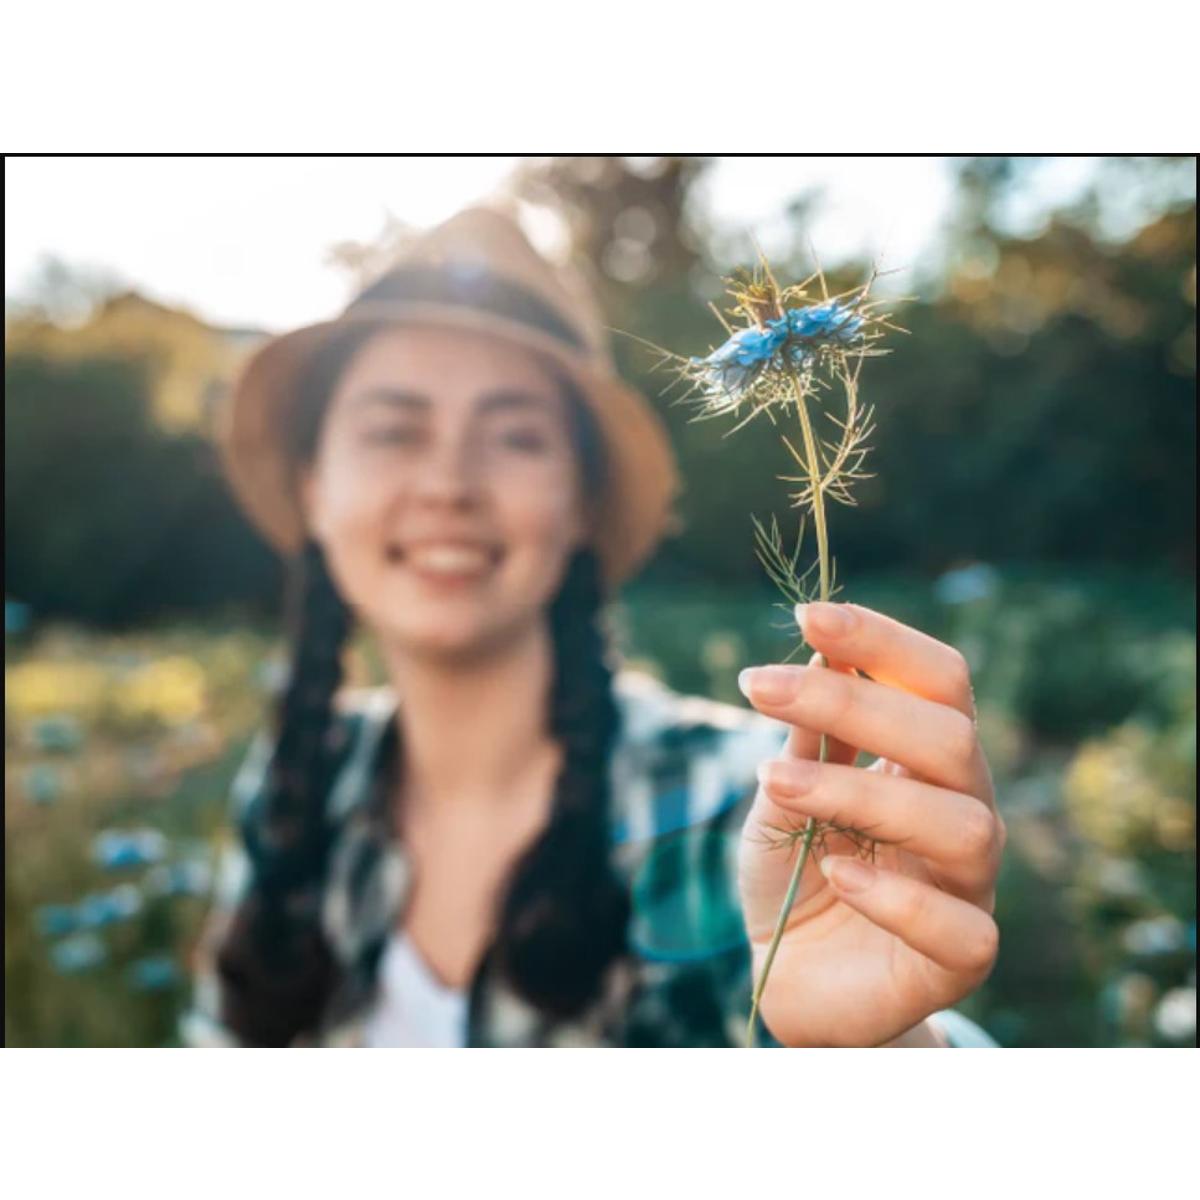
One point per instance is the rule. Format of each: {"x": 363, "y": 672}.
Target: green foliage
{"x": 106, "y": 519}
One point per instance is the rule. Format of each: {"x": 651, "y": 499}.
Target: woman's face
{"x": 445, "y": 490}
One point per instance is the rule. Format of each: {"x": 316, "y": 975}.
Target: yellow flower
{"x": 1117, "y": 797}
{"x": 41, "y": 687}
{"x": 171, "y": 690}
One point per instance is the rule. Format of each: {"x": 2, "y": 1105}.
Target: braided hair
{"x": 564, "y": 916}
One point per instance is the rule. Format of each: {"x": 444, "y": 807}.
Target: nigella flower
{"x": 830, "y": 322}
{"x": 733, "y": 366}
{"x": 728, "y": 373}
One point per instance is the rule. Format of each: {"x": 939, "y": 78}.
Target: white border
{"x": 866, "y": 76}
{"x": 624, "y": 1123}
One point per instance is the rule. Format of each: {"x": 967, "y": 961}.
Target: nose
{"x": 447, "y": 475}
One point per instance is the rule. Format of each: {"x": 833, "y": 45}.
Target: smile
{"x": 446, "y": 561}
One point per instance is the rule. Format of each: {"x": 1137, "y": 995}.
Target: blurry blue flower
{"x": 63, "y": 733}
{"x": 54, "y": 920}
{"x": 155, "y": 973}
{"x": 107, "y": 908}
{"x": 114, "y": 849}
{"x": 78, "y": 953}
{"x": 42, "y": 783}
{"x": 965, "y": 584}
{"x": 1154, "y": 935}
{"x": 16, "y": 617}
{"x": 189, "y": 878}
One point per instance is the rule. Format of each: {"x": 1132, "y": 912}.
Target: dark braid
{"x": 275, "y": 966}
{"x": 564, "y": 917}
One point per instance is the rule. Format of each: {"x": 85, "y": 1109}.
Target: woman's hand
{"x": 871, "y": 948}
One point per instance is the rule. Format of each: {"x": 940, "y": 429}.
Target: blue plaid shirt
{"x": 683, "y": 779}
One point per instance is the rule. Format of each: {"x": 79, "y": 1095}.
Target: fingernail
{"x": 833, "y": 620}
{"x": 790, "y": 778}
{"x": 847, "y": 874}
{"x": 767, "y": 685}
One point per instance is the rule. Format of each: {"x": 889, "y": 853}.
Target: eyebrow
{"x": 500, "y": 400}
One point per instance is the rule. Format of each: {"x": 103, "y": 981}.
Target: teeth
{"x": 448, "y": 559}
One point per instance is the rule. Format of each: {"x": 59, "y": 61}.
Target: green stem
{"x": 789, "y": 899}
{"x": 818, "y": 493}
{"x": 810, "y": 826}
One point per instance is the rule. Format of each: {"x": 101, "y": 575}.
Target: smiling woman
{"x": 447, "y": 507}
{"x": 513, "y": 842}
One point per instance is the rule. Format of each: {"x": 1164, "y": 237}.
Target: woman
{"x": 511, "y": 844}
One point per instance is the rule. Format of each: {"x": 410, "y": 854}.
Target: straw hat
{"x": 475, "y": 271}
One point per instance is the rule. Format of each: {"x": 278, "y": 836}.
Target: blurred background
{"x": 1033, "y": 503}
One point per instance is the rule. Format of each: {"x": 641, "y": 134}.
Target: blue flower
{"x": 828, "y": 322}
{"x": 965, "y": 584}
{"x": 63, "y": 733}
{"x": 54, "y": 920}
{"x": 78, "y": 953}
{"x": 191, "y": 877}
{"x": 733, "y": 366}
{"x": 106, "y": 908}
{"x": 114, "y": 849}
{"x": 42, "y": 783}
{"x": 752, "y": 345}
{"x": 155, "y": 973}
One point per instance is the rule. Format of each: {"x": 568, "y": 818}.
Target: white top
{"x": 414, "y": 1007}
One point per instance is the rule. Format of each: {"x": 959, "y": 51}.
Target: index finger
{"x": 806, "y": 743}
{"x": 889, "y": 652}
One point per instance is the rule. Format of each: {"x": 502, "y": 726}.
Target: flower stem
{"x": 816, "y": 482}
{"x": 793, "y": 884}
{"x": 810, "y": 826}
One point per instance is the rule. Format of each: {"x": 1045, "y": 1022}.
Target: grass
{"x": 1086, "y": 691}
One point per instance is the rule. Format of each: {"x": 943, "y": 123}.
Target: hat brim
{"x": 632, "y": 516}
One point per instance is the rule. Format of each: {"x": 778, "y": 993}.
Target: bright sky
{"x": 243, "y": 241}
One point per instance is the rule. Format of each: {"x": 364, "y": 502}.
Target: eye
{"x": 393, "y": 435}
{"x": 528, "y": 441}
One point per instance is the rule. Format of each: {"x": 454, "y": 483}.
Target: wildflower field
{"x": 119, "y": 750}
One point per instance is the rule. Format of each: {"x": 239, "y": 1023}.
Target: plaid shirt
{"x": 683, "y": 779}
